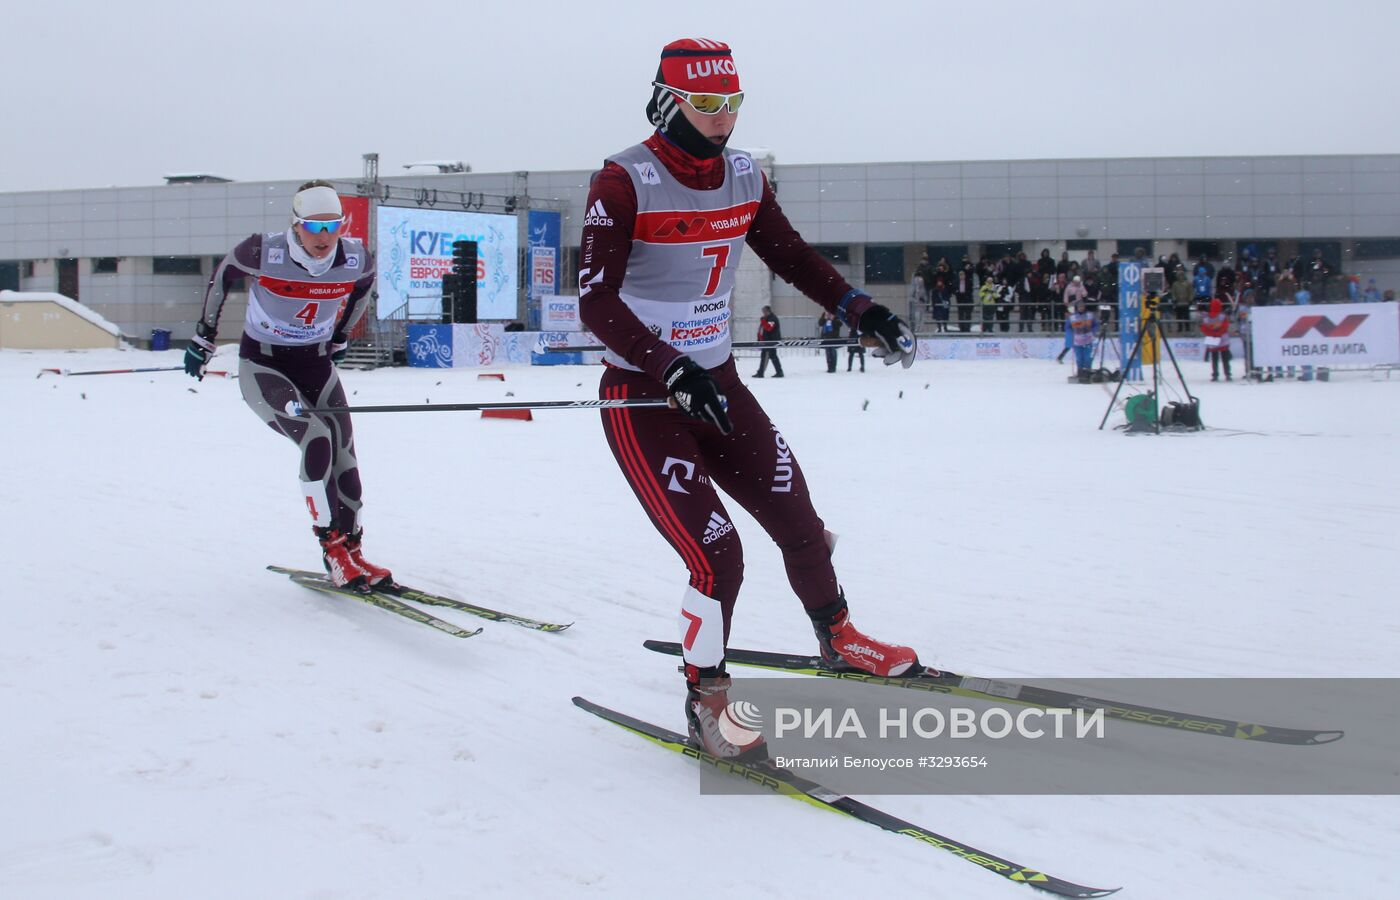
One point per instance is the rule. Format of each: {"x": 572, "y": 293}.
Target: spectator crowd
{"x": 1040, "y": 295}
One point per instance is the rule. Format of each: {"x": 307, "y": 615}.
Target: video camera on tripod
{"x": 1141, "y": 409}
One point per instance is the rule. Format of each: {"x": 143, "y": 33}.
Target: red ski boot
{"x": 340, "y": 564}
{"x": 377, "y": 575}
{"x": 846, "y": 649}
{"x": 713, "y": 726}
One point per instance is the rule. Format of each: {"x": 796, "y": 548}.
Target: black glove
{"x": 696, "y": 394}
{"x": 338, "y": 348}
{"x": 897, "y": 341}
{"x": 199, "y": 351}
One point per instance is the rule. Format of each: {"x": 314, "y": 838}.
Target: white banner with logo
{"x": 1014, "y": 347}
{"x": 559, "y": 313}
{"x": 415, "y": 251}
{"x": 990, "y": 348}
{"x": 1333, "y": 334}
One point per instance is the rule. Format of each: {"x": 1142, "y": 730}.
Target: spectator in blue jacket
{"x": 1083, "y": 326}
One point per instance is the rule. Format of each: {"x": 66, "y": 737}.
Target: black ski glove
{"x": 896, "y": 340}
{"x": 199, "y": 351}
{"x": 338, "y": 348}
{"x": 696, "y": 394}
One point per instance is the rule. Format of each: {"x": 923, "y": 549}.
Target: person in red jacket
{"x": 666, "y": 223}
{"x": 770, "y": 330}
{"x": 1215, "y": 329}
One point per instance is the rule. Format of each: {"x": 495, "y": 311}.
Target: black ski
{"x": 943, "y": 682}
{"x": 786, "y": 783}
{"x": 384, "y": 602}
{"x": 403, "y": 592}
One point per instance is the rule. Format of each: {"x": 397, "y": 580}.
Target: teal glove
{"x": 199, "y": 351}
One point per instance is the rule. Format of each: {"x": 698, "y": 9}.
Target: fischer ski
{"x": 403, "y": 592}
{"x": 788, "y": 784}
{"x": 943, "y": 682}
{"x": 391, "y": 604}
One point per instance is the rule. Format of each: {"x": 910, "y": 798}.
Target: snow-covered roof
{"x": 67, "y": 303}
{"x": 195, "y": 178}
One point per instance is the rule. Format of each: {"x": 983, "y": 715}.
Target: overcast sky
{"x": 99, "y": 94}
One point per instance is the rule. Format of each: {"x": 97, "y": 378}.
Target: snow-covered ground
{"x": 177, "y": 722}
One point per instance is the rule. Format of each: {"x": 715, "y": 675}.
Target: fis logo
{"x": 1324, "y": 326}
{"x": 597, "y": 215}
{"x": 647, "y": 173}
{"x": 276, "y": 256}
{"x": 716, "y": 528}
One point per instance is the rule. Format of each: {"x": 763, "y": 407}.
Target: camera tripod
{"x": 1101, "y": 351}
{"x": 1153, "y": 326}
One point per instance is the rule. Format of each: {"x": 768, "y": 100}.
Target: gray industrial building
{"x": 140, "y": 256}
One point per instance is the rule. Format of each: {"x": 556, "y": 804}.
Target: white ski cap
{"x": 316, "y": 201}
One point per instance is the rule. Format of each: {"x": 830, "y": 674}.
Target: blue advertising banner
{"x": 415, "y": 251}
{"x": 430, "y": 346}
{"x": 1130, "y": 315}
{"x": 544, "y": 252}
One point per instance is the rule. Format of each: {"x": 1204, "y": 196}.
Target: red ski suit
{"x": 673, "y": 462}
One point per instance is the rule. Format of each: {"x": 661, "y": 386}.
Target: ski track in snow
{"x": 179, "y": 722}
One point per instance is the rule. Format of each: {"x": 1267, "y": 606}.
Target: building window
{"x": 177, "y": 265}
{"x": 1078, "y": 244}
{"x": 1127, "y": 249}
{"x": 1331, "y": 251}
{"x": 26, "y": 268}
{"x": 884, "y": 264}
{"x": 1378, "y": 248}
{"x": 998, "y": 249}
{"x": 1208, "y": 249}
{"x": 104, "y": 265}
{"x": 839, "y": 254}
{"x": 953, "y": 253}
{"x": 1256, "y": 249}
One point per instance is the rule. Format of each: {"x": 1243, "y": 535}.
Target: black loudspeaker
{"x": 450, "y": 285}
{"x": 464, "y": 263}
{"x": 464, "y": 312}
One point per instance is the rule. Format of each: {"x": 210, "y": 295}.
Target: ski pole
{"x": 737, "y": 345}
{"x": 67, "y": 372}
{"x": 299, "y": 410}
